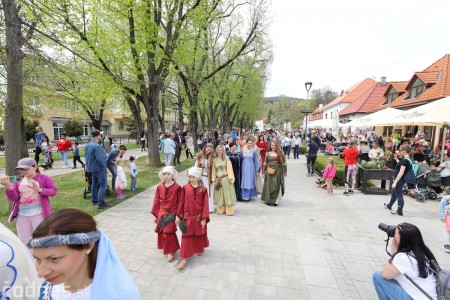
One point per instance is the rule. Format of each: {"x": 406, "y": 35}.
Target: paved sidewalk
{"x": 58, "y": 164}
{"x": 312, "y": 246}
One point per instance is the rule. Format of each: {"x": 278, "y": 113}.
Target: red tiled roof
{"x": 437, "y": 80}
{"x": 366, "y": 100}
{"x": 353, "y": 93}
{"x": 399, "y": 86}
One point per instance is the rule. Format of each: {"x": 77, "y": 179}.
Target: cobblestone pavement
{"x": 312, "y": 246}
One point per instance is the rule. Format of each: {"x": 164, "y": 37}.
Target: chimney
{"x": 383, "y": 80}
{"x": 320, "y": 105}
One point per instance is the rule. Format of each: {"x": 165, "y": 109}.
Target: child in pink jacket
{"x": 328, "y": 175}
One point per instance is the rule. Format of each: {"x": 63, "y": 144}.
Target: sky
{"x": 338, "y": 43}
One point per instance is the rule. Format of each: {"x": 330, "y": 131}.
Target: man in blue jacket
{"x": 95, "y": 164}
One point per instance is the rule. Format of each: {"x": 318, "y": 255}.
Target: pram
{"x": 48, "y": 160}
{"x": 87, "y": 189}
{"x": 426, "y": 179}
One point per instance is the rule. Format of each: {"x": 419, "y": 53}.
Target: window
{"x": 392, "y": 95}
{"x": 86, "y": 129}
{"x": 416, "y": 89}
{"x": 57, "y": 130}
{"x": 121, "y": 126}
{"x": 326, "y": 116}
{"x": 331, "y": 115}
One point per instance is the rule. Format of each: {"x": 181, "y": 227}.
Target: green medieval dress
{"x": 226, "y": 195}
{"x": 273, "y": 188}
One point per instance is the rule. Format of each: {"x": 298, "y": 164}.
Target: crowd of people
{"x": 227, "y": 169}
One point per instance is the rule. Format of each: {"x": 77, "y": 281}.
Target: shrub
{"x": 321, "y": 163}
{"x": 73, "y": 128}
{"x": 303, "y": 149}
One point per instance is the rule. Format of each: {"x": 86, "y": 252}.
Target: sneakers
{"x": 446, "y": 248}
{"x": 350, "y": 191}
{"x": 386, "y": 206}
{"x": 346, "y": 193}
{"x": 120, "y": 197}
{"x": 103, "y": 206}
{"x": 393, "y": 212}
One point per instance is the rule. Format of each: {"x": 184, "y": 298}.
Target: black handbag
{"x": 183, "y": 226}
{"x": 166, "y": 220}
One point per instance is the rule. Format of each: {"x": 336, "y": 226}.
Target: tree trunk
{"x": 151, "y": 108}
{"x": 14, "y": 143}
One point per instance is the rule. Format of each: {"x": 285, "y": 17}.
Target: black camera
{"x": 389, "y": 229}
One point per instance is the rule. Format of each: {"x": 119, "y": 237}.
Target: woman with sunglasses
{"x": 30, "y": 197}
{"x": 409, "y": 267}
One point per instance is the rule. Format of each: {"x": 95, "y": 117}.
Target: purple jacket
{"x": 48, "y": 189}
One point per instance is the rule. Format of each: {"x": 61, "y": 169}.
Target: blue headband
{"x": 81, "y": 238}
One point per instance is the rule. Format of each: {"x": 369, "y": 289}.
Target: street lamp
{"x": 308, "y": 85}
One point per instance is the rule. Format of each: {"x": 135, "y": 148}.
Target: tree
{"x": 15, "y": 144}
{"x": 30, "y": 129}
{"x": 323, "y": 95}
{"x": 73, "y": 128}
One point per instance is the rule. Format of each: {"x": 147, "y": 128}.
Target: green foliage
{"x": 321, "y": 163}
{"x": 379, "y": 164}
{"x": 73, "y": 128}
{"x": 30, "y": 129}
{"x": 130, "y": 126}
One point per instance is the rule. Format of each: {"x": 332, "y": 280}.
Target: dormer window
{"x": 416, "y": 89}
{"x": 391, "y": 96}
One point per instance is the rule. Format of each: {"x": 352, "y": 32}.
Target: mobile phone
{"x": 13, "y": 179}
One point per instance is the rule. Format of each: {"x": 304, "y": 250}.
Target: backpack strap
{"x": 420, "y": 289}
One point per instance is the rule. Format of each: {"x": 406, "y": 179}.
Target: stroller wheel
{"x": 420, "y": 197}
{"x": 84, "y": 193}
{"x": 433, "y": 195}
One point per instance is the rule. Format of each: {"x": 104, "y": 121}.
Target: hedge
{"x": 321, "y": 163}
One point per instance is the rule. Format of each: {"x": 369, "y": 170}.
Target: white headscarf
{"x": 19, "y": 269}
{"x": 195, "y": 172}
{"x": 168, "y": 169}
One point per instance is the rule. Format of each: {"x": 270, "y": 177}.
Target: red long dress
{"x": 166, "y": 201}
{"x": 193, "y": 206}
{"x": 264, "y": 147}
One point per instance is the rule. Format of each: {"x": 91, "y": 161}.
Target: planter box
{"x": 364, "y": 175}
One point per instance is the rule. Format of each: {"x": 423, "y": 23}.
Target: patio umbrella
{"x": 379, "y": 118}
{"x": 431, "y": 114}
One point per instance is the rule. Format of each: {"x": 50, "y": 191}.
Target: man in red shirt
{"x": 64, "y": 146}
{"x": 350, "y": 156}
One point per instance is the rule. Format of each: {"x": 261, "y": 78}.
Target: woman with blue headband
{"x": 76, "y": 260}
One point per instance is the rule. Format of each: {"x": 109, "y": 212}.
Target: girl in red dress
{"x": 166, "y": 202}
{"x": 193, "y": 207}
{"x": 263, "y": 146}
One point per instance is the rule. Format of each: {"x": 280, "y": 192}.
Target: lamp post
{"x": 308, "y": 86}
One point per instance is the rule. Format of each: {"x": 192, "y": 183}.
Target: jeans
{"x": 169, "y": 159}
{"x": 64, "y": 155}
{"x": 310, "y": 162}
{"x": 133, "y": 182}
{"x": 177, "y": 155}
{"x": 397, "y": 195}
{"x": 388, "y": 288}
{"x": 296, "y": 151}
{"x": 110, "y": 167}
{"x": 98, "y": 188}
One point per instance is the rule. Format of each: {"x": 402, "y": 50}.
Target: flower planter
{"x": 364, "y": 175}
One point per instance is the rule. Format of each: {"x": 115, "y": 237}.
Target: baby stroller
{"x": 424, "y": 179}
{"x": 87, "y": 190}
{"x": 48, "y": 160}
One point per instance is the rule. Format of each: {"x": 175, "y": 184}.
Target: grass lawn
{"x": 56, "y": 154}
{"x": 71, "y": 186}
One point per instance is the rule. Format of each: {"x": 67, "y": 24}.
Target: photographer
{"x": 409, "y": 267}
